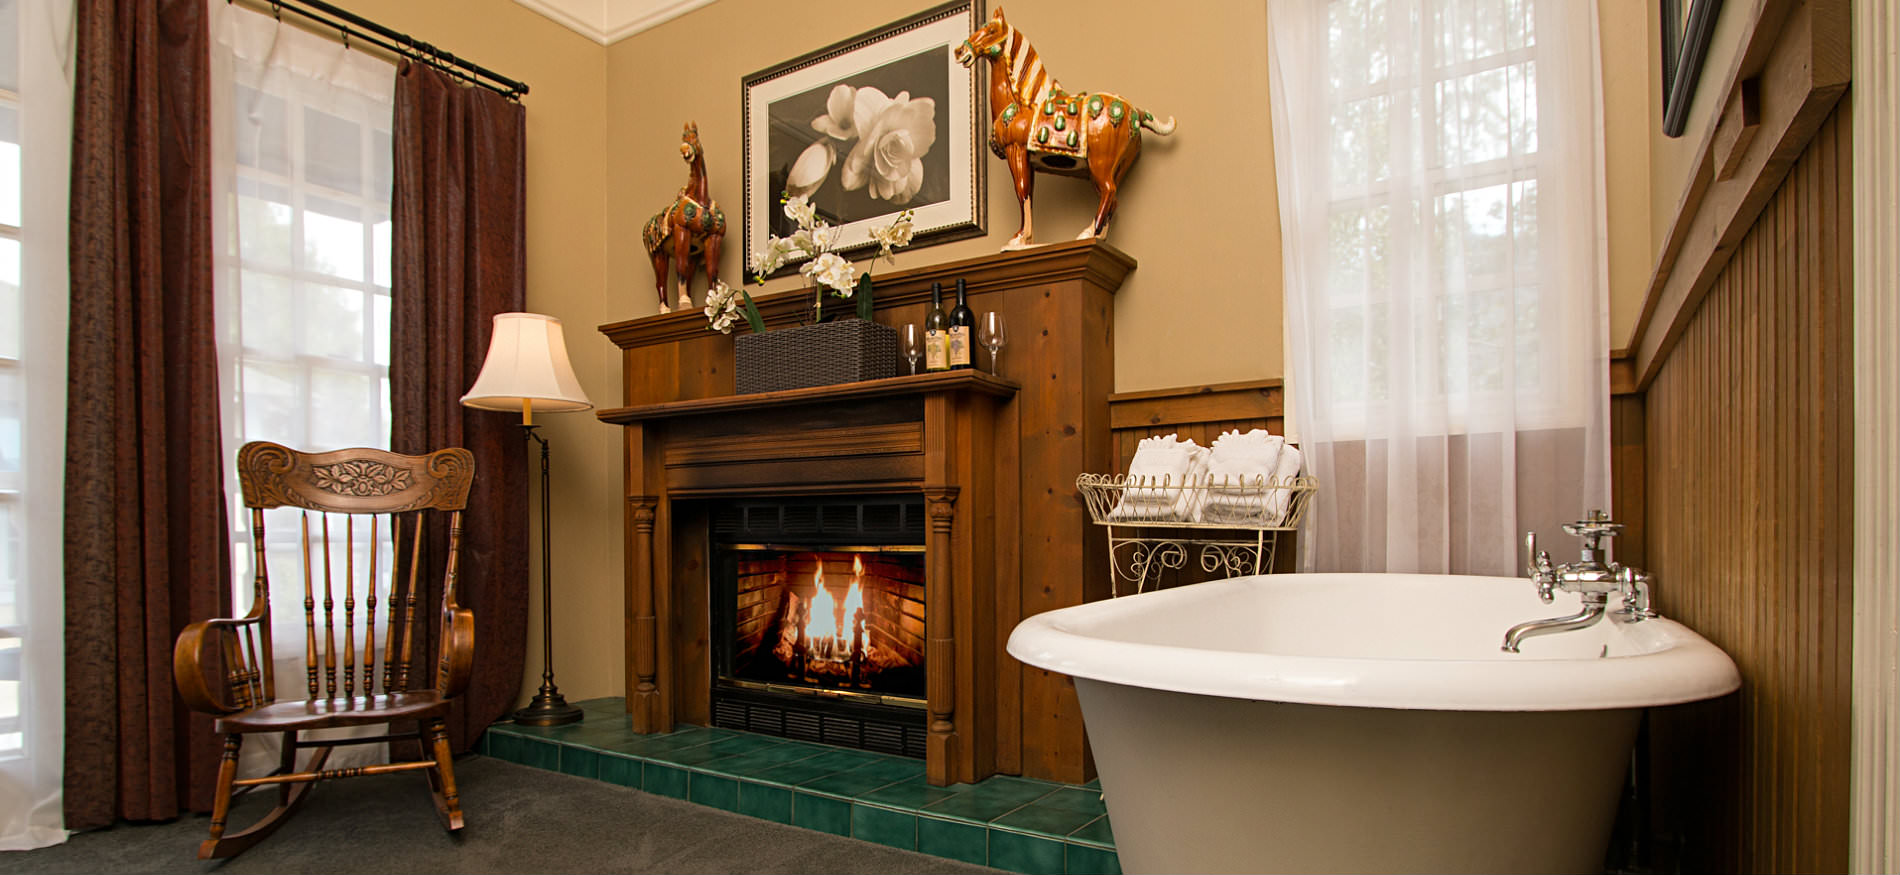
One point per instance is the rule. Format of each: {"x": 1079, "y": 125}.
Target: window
{"x": 1433, "y": 121}
{"x": 13, "y": 627}
{"x": 1439, "y": 174}
{"x": 303, "y": 172}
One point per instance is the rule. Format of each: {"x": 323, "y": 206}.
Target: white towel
{"x": 1252, "y": 472}
{"x": 1161, "y": 464}
{"x": 1239, "y": 469}
{"x": 1284, "y": 474}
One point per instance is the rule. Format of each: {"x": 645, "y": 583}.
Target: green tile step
{"x": 1017, "y": 824}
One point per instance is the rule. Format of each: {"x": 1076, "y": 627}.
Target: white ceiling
{"x": 609, "y": 21}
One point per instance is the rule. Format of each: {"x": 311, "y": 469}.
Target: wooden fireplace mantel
{"x": 994, "y": 458}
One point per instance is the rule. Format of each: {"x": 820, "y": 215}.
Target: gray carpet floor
{"x": 519, "y": 819}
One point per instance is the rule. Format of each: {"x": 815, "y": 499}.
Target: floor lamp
{"x": 527, "y": 370}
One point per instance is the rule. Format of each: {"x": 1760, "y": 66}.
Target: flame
{"x": 823, "y": 619}
{"x": 827, "y": 621}
{"x": 854, "y": 597}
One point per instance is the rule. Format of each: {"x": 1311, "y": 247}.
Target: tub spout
{"x": 1593, "y": 605}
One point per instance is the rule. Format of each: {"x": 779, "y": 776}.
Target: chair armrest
{"x": 457, "y": 663}
{"x": 203, "y": 653}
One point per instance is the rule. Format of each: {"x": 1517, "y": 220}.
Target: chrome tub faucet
{"x": 1591, "y": 578}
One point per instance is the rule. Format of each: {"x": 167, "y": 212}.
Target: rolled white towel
{"x": 1161, "y": 461}
{"x": 1284, "y": 473}
{"x": 1240, "y": 469}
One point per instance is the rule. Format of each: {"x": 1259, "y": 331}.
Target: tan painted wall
{"x": 1199, "y": 212}
{"x": 567, "y": 278}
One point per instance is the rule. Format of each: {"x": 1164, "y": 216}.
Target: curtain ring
{"x": 277, "y": 11}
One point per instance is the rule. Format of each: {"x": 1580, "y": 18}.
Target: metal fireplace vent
{"x": 890, "y": 520}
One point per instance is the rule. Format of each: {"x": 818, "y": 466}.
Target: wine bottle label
{"x": 936, "y": 351}
{"x": 959, "y": 346}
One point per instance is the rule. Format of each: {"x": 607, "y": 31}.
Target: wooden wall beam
{"x": 1805, "y": 72}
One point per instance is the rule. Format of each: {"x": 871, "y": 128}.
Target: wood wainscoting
{"x": 1197, "y": 412}
{"x": 1733, "y": 455}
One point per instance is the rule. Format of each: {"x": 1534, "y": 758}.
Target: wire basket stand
{"x": 1229, "y": 525}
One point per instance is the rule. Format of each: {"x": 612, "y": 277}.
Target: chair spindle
{"x": 329, "y": 617}
{"x": 369, "y": 614}
{"x": 409, "y": 599}
{"x": 389, "y": 643}
{"x": 309, "y": 613}
{"x": 349, "y": 607}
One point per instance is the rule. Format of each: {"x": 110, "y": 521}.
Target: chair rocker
{"x": 224, "y": 668}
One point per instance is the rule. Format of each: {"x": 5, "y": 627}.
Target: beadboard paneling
{"x": 1749, "y": 519}
{"x": 1197, "y": 412}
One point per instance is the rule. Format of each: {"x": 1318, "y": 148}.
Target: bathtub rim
{"x": 1685, "y": 668}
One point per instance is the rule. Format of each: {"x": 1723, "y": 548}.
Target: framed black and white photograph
{"x": 1686, "y": 28}
{"x": 880, "y": 123}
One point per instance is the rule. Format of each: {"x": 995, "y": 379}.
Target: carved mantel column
{"x": 940, "y": 635}
{"x": 643, "y": 693}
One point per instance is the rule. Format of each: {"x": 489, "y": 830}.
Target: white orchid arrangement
{"x": 829, "y": 272}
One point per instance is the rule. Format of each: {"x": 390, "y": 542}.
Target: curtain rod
{"x": 351, "y": 25}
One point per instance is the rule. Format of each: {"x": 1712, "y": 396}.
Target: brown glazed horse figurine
{"x": 1037, "y": 126}
{"x": 693, "y": 225}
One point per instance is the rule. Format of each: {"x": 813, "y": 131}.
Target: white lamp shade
{"x": 527, "y": 361}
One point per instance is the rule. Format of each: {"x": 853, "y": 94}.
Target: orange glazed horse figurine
{"x": 1035, "y": 125}
{"x": 692, "y": 225}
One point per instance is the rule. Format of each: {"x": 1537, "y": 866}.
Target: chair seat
{"x": 325, "y": 713}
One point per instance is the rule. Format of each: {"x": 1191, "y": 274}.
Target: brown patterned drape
{"x": 146, "y": 542}
{"x": 458, "y": 260}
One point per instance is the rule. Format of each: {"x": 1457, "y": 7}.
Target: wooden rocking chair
{"x": 350, "y": 483}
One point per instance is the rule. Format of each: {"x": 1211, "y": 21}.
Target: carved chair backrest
{"x": 360, "y": 486}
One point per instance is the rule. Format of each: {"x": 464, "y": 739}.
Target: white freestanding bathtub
{"x": 1362, "y": 722}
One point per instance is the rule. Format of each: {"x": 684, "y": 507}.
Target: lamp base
{"x": 548, "y": 709}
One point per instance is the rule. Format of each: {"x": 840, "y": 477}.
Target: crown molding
{"x": 609, "y": 21}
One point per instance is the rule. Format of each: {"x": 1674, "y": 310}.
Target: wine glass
{"x": 913, "y": 346}
{"x": 992, "y": 334}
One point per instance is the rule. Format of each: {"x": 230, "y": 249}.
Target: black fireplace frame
{"x": 874, "y": 523}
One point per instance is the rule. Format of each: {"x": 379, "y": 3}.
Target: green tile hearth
{"x": 1016, "y": 824}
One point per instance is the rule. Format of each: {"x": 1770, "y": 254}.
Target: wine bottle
{"x": 936, "y": 333}
{"x": 962, "y": 327}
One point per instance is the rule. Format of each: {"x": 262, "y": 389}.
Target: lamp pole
{"x": 548, "y": 708}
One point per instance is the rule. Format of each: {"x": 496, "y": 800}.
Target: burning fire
{"x": 825, "y": 624}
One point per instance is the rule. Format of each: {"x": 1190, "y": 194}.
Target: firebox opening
{"x": 818, "y": 620}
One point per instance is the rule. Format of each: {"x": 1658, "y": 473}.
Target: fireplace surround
{"x": 991, "y": 460}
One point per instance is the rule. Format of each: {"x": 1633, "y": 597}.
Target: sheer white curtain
{"x": 1439, "y": 166}
{"x": 302, "y": 180}
{"x": 36, "y": 98}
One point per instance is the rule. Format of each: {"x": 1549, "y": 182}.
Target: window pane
{"x": 273, "y": 401}
{"x": 10, "y": 565}
{"x": 379, "y": 258}
{"x": 12, "y": 309}
{"x": 346, "y": 410}
{"x": 12, "y": 423}
{"x": 333, "y": 322}
{"x": 332, "y": 151}
{"x": 333, "y": 239}
{"x": 1474, "y": 118}
{"x": 9, "y": 164}
{"x": 380, "y": 343}
{"x": 262, "y": 138}
{"x": 270, "y": 319}
{"x": 265, "y": 220}
{"x": 10, "y": 47}
{"x": 1361, "y": 148}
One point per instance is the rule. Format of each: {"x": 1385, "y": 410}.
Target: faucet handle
{"x": 1538, "y": 567}
{"x": 1634, "y": 586}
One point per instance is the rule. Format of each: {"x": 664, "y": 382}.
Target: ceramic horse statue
{"x": 693, "y": 225}
{"x": 1037, "y": 126}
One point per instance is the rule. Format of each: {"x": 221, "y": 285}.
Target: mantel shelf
{"x": 919, "y": 384}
